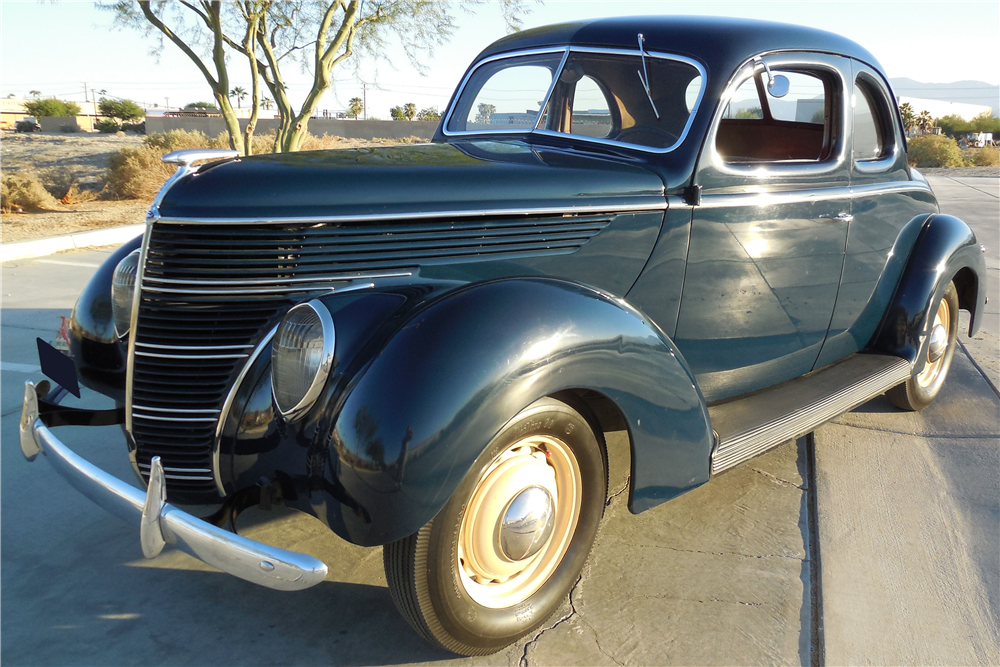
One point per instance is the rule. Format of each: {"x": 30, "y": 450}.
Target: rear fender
{"x": 411, "y": 423}
{"x": 945, "y": 250}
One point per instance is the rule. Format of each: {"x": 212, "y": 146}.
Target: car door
{"x": 768, "y": 237}
{"x": 884, "y": 199}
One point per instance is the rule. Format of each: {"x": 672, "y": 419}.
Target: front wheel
{"x": 920, "y": 390}
{"x": 505, "y": 550}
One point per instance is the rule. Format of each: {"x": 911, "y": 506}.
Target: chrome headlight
{"x": 301, "y": 357}
{"x": 122, "y": 291}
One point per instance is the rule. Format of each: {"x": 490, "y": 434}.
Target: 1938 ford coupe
{"x": 703, "y": 232}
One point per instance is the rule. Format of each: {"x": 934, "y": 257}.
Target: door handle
{"x": 841, "y": 217}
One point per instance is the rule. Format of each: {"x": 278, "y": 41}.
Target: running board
{"x": 752, "y": 425}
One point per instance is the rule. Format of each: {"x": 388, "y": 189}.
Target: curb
{"x": 49, "y": 246}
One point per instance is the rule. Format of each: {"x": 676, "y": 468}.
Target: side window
{"x": 758, "y": 127}
{"x": 591, "y": 112}
{"x": 873, "y": 121}
{"x": 505, "y": 95}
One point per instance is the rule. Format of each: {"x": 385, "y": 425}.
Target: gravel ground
{"x": 83, "y": 158}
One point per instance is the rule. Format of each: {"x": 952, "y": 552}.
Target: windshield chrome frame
{"x": 568, "y": 50}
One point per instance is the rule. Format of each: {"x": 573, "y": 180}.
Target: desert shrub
{"x": 26, "y": 126}
{"x": 121, "y": 111}
{"x": 23, "y": 191}
{"x": 985, "y": 157}
{"x": 57, "y": 181}
{"x": 106, "y": 126}
{"x": 51, "y": 107}
{"x": 68, "y": 129}
{"x": 137, "y": 128}
{"x": 934, "y": 150}
{"x": 176, "y": 140}
{"x": 136, "y": 173}
{"x": 263, "y": 142}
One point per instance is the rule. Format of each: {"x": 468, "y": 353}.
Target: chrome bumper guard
{"x": 159, "y": 522}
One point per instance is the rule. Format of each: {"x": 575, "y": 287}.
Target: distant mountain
{"x": 966, "y": 92}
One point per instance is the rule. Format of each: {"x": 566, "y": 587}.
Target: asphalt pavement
{"x": 873, "y": 541}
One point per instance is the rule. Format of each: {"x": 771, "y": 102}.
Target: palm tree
{"x": 266, "y": 103}
{"x": 35, "y": 93}
{"x": 410, "y": 110}
{"x": 924, "y": 122}
{"x": 909, "y": 117}
{"x": 239, "y": 93}
{"x": 355, "y": 106}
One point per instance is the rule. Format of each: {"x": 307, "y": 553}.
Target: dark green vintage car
{"x": 702, "y": 232}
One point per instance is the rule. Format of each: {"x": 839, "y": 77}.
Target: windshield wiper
{"x": 644, "y": 75}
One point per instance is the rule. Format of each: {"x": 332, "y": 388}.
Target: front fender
{"x": 417, "y": 416}
{"x": 97, "y": 353}
{"x": 945, "y": 250}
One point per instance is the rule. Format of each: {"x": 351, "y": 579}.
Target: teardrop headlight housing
{"x": 122, "y": 292}
{"x": 301, "y": 358}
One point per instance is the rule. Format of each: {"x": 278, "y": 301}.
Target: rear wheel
{"x": 920, "y": 390}
{"x": 502, "y": 554}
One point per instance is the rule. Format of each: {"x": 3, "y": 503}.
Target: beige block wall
{"x": 350, "y": 129}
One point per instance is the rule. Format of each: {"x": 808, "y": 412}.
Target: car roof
{"x": 720, "y": 43}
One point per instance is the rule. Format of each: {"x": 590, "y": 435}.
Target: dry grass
{"x": 23, "y": 191}
{"x": 138, "y": 173}
{"x": 985, "y": 157}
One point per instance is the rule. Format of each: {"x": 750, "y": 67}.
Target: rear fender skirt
{"x": 408, "y": 425}
{"x": 945, "y": 249}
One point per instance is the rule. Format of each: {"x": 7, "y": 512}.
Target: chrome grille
{"x": 210, "y": 293}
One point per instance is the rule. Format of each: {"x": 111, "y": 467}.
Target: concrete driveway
{"x": 873, "y": 541}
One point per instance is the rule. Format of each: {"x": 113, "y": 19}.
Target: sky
{"x": 58, "y": 48}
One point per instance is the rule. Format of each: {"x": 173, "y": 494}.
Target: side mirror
{"x": 778, "y": 86}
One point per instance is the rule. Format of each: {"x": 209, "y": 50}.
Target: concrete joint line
{"x": 979, "y": 368}
{"x": 928, "y": 436}
{"x": 817, "y": 644}
{"x": 973, "y": 187}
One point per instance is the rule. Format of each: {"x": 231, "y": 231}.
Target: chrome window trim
{"x": 781, "y": 168}
{"x": 656, "y": 204}
{"x": 583, "y": 49}
{"x": 770, "y": 198}
{"x": 502, "y": 56}
{"x": 884, "y": 163}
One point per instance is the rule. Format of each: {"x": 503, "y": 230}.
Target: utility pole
{"x": 364, "y": 100}
{"x": 168, "y": 103}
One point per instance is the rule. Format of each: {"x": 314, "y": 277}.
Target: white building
{"x": 938, "y": 109}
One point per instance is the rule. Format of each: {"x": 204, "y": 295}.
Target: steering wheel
{"x": 669, "y": 137}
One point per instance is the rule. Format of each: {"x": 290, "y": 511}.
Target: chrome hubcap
{"x": 519, "y": 521}
{"x": 938, "y": 343}
{"x": 526, "y": 524}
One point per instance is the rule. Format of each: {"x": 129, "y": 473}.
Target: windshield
{"x": 598, "y": 96}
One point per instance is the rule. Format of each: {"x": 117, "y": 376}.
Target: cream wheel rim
{"x": 490, "y": 578}
{"x": 932, "y": 368}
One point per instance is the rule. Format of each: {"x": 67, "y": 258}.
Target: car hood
{"x": 422, "y": 180}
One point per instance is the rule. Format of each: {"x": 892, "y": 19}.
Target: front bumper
{"x": 159, "y": 522}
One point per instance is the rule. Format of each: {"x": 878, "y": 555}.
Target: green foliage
{"x": 410, "y": 110}
{"x": 430, "y": 113}
{"x": 121, "y": 111}
{"x": 26, "y": 126}
{"x": 51, "y": 107}
{"x": 984, "y": 122}
{"x": 985, "y": 157}
{"x": 909, "y": 116}
{"x": 20, "y": 191}
{"x": 953, "y": 124}
{"x": 397, "y": 113}
{"x": 106, "y": 126}
{"x": 355, "y": 107}
{"x": 208, "y": 106}
{"x": 934, "y": 150}
{"x": 484, "y": 112}
{"x": 752, "y": 112}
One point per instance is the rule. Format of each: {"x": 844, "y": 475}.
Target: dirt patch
{"x": 62, "y": 161}
{"x": 961, "y": 172}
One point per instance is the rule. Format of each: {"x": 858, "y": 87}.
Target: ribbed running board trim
{"x": 741, "y": 446}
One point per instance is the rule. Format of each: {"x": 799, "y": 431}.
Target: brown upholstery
{"x": 753, "y": 140}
